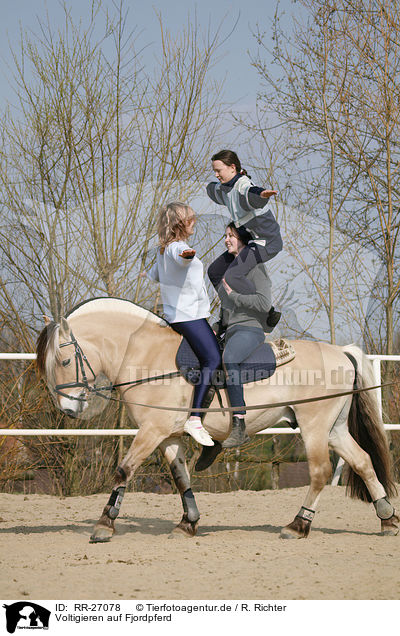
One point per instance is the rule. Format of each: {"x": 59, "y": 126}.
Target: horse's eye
{"x": 66, "y": 362}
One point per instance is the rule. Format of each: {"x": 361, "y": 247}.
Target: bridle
{"x": 80, "y": 361}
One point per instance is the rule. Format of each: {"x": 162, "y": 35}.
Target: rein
{"x": 255, "y": 407}
{"x": 80, "y": 359}
{"x": 111, "y": 387}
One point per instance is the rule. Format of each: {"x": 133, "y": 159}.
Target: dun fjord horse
{"x": 126, "y": 342}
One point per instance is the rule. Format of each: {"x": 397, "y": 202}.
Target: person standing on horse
{"x": 186, "y": 303}
{"x": 245, "y": 325}
{"x": 246, "y": 203}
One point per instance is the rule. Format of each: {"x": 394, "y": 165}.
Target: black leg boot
{"x": 238, "y": 435}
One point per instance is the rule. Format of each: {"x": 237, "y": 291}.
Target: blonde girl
{"x": 185, "y": 301}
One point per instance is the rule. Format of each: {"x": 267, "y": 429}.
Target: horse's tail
{"x": 366, "y": 427}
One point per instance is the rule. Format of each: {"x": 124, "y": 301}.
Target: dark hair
{"x": 240, "y": 232}
{"x": 229, "y": 158}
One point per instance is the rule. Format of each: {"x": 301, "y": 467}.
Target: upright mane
{"x": 47, "y": 350}
{"x": 110, "y": 303}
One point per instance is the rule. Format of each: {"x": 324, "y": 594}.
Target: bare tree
{"x": 100, "y": 139}
{"x": 302, "y": 97}
{"x": 370, "y": 34}
{"x": 101, "y": 133}
{"x": 334, "y": 91}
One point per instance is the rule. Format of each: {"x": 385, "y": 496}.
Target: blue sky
{"x": 241, "y": 83}
{"x": 241, "y": 79}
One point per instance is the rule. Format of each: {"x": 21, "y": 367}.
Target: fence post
{"x": 376, "y": 367}
{"x": 275, "y": 464}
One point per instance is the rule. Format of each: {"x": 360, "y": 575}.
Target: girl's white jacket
{"x": 183, "y": 290}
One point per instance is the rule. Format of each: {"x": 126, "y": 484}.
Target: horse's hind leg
{"x": 146, "y": 441}
{"x": 174, "y": 454}
{"x": 346, "y": 447}
{"x": 316, "y": 444}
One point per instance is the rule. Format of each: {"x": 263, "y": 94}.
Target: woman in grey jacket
{"x": 245, "y": 322}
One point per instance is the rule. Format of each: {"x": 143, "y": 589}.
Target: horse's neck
{"x": 150, "y": 351}
{"x": 128, "y": 344}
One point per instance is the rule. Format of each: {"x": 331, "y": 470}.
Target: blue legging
{"x": 202, "y": 339}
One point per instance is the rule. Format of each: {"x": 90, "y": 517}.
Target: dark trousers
{"x": 202, "y": 339}
{"x": 240, "y": 342}
{"x": 235, "y": 270}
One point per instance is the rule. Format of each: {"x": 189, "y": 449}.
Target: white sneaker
{"x": 198, "y": 432}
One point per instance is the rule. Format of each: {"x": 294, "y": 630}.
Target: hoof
{"x": 389, "y": 527}
{"x": 298, "y": 529}
{"x": 188, "y": 528}
{"x": 288, "y": 533}
{"x": 101, "y": 534}
{"x": 390, "y": 532}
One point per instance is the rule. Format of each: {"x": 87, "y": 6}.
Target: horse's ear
{"x": 47, "y": 320}
{"x": 64, "y": 328}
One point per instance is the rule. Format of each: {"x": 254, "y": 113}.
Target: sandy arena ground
{"x": 237, "y": 554}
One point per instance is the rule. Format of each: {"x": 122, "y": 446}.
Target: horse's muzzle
{"x": 73, "y": 405}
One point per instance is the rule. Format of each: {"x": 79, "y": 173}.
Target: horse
{"x": 130, "y": 345}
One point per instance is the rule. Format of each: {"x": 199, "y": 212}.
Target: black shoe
{"x": 273, "y": 317}
{"x": 208, "y": 454}
{"x": 238, "y": 435}
{"x": 221, "y": 341}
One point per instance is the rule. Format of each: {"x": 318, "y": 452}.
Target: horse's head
{"x": 68, "y": 366}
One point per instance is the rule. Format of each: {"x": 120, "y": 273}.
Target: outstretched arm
{"x": 266, "y": 194}
{"x": 188, "y": 254}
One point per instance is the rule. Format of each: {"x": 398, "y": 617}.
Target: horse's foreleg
{"x": 104, "y": 528}
{"x": 319, "y": 468}
{"x": 146, "y": 441}
{"x": 174, "y": 454}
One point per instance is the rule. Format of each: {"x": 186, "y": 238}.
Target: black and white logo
{"x": 26, "y": 615}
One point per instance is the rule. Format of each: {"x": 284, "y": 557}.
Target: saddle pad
{"x": 283, "y": 351}
{"x": 259, "y": 365}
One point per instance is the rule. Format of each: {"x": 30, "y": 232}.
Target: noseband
{"x": 80, "y": 361}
